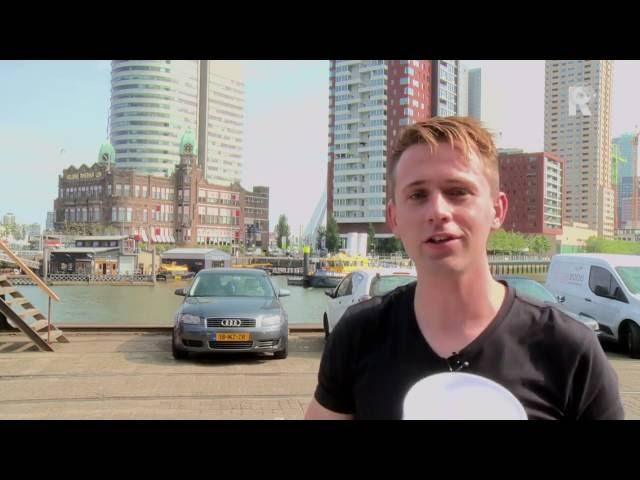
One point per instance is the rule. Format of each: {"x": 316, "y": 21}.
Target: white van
{"x": 603, "y": 287}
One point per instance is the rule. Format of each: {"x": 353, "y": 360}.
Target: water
{"x": 138, "y": 305}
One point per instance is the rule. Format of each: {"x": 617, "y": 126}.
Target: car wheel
{"x": 178, "y": 353}
{"x": 325, "y": 325}
{"x": 633, "y": 340}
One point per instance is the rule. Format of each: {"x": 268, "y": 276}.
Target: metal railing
{"x": 80, "y": 277}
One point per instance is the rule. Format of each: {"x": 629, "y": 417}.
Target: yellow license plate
{"x": 232, "y": 337}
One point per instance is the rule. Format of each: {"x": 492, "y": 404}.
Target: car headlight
{"x": 271, "y": 320}
{"x": 593, "y": 325}
{"x": 190, "y": 319}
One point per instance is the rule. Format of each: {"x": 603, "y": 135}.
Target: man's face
{"x": 444, "y": 208}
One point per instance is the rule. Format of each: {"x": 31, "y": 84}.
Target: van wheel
{"x": 325, "y": 326}
{"x": 633, "y": 340}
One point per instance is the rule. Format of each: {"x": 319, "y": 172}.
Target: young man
{"x": 444, "y": 203}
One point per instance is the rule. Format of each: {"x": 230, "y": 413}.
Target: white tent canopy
{"x": 207, "y": 255}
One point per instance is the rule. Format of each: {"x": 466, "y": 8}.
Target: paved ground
{"x": 134, "y": 376}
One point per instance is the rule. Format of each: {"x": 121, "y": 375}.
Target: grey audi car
{"x": 231, "y": 310}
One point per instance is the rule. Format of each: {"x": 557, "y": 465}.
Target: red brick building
{"x": 183, "y": 209}
{"x": 534, "y": 184}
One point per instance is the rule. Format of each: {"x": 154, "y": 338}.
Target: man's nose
{"x": 438, "y": 208}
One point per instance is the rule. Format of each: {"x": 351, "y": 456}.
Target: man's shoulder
{"x": 370, "y": 313}
{"x": 547, "y": 322}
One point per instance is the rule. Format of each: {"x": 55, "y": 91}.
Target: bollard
{"x": 305, "y": 266}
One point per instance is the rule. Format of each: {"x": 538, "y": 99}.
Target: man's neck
{"x": 453, "y": 310}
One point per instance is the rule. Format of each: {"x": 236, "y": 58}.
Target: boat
{"x": 331, "y": 270}
{"x": 173, "y": 271}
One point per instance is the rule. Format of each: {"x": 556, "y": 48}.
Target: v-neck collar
{"x": 477, "y": 343}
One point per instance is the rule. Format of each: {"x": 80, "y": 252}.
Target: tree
{"x": 517, "y": 242}
{"x": 539, "y": 244}
{"x": 371, "y": 238}
{"x": 498, "y": 241}
{"x": 601, "y": 245}
{"x": 333, "y": 239}
{"x": 282, "y": 230}
{"x": 390, "y": 245}
{"x": 321, "y": 236}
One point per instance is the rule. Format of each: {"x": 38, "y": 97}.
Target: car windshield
{"x": 532, "y": 289}
{"x": 631, "y": 278}
{"x": 383, "y": 284}
{"x": 231, "y": 285}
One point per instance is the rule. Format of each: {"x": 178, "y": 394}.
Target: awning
{"x": 171, "y": 239}
{"x": 144, "y": 235}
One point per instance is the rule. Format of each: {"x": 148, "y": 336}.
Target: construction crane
{"x": 616, "y": 160}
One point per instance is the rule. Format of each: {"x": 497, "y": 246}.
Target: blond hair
{"x": 464, "y": 133}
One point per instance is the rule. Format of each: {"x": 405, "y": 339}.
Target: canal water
{"x": 141, "y": 305}
{"x": 138, "y": 305}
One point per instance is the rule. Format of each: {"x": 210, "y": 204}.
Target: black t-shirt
{"x": 550, "y": 362}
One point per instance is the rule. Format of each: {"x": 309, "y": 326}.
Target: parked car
{"x": 231, "y": 310}
{"x": 603, "y": 287}
{"x": 362, "y": 285}
{"x": 537, "y": 291}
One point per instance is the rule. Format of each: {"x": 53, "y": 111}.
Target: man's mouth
{"x": 441, "y": 238}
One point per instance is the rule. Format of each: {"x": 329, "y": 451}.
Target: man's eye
{"x": 416, "y": 196}
{"x": 458, "y": 192}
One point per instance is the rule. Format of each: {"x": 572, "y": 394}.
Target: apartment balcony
{"x": 369, "y": 67}
{"x": 367, "y": 107}
{"x": 367, "y": 148}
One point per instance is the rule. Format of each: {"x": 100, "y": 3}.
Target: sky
{"x": 54, "y": 114}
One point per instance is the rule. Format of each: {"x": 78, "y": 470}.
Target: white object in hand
{"x": 461, "y": 396}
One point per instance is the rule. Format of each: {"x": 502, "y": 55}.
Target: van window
{"x": 602, "y": 283}
{"x": 631, "y": 278}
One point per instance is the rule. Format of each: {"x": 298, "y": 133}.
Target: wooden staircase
{"x": 17, "y": 308}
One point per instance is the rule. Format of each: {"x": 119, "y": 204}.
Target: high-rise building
{"x": 463, "y": 90}
{"x": 33, "y": 230}
{"x": 9, "y": 219}
{"x": 627, "y": 162}
{"x": 475, "y": 93}
{"x": 224, "y": 129}
{"x": 370, "y": 101}
{"x": 51, "y": 218}
{"x": 533, "y": 184}
{"x": 154, "y": 101}
{"x": 577, "y": 128}
{"x": 448, "y": 88}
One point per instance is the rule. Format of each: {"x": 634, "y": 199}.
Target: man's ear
{"x": 391, "y": 216}
{"x": 500, "y": 208}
